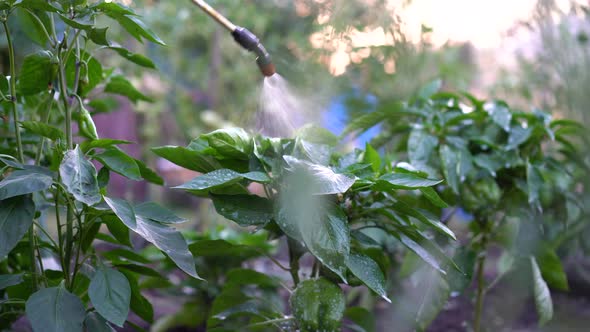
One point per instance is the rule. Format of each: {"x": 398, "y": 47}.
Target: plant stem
{"x": 481, "y": 260}
{"x": 293, "y": 264}
{"x": 45, "y": 120}
{"x": 19, "y": 145}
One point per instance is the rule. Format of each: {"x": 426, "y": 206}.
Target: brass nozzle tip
{"x": 267, "y": 69}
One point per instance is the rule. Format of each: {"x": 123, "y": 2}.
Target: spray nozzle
{"x": 249, "y": 41}
{"x": 244, "y": 37}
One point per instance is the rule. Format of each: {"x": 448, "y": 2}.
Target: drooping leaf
{"x": 101, "y": 143}
{"x": 368, "y": 271}
{"x": 551, "y": 268}
{"x": 433, "y": 197}
{"x": 119, "y": 162}
{"x": 149, "y": 174}
{"x": 110, "y": 294}
{"x": 55, "y": 309}
{"x": 518, "y": 135}
{"x": 16, "y": 216}
{"x": 80, "y": 22}
{"x": 430, "y": 89}
{"x": 222, "y": 248}
{"x": 501, "y": 116}
{"x": 22, "y": 182}
{"x": 365, "y": 122}
{"x": 136, "y": 58}
{"x": 154, "y": 211}
{"x": 134, "y": 26}
{"x": 363, "y": 319}
{"x": 543, "y": 301}
{"x": 32, "y": 26}
{"x": 121, "y": 86}
{"x": 318, "y": 305}
{"x": 43, "y": 130}
{"x": 139, "y": 304}
{"x": 79, "y": 177}
{"x": 96, "y": 323}
{"x": 436, "y": 293}
{"x": 165, "y": 238}
{"x": 372, "y": 157}
{"x": 534, "y": 181}
{"x": 245, "y": 210}
{"x": 213, "y": 180}
{"x": 421, "y": 252}
{"x": 7, "y": 280}
{"x": 420, "y": 146}
{"x": 450, "y": 159}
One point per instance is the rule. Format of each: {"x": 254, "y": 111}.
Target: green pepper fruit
{"x": 318, "y": 305}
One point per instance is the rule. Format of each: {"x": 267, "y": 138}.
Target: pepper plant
{"x": 322, "y": 203}
{"x": 50, "y": 270}
{"x": 513, "y": 171}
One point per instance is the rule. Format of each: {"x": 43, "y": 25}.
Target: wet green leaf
{"x": 96, "y": 323}
{"x": 136, "y": 58}
{"x": 542, "y": 296}
{"x": 121, "y": 86}
{"x": 7, "y": 280}
{"x": 245, "y": 210}
{"x": 79, "y": 177}
{"x": 154, "y": 211}
{"x": 43, "y": 130}
{"x": 119, "y": 162}
{"x": 37, "y": 73}
{"x": 551, "y": 268}
{"x": 368, "y": 271}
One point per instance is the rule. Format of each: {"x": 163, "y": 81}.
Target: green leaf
{"x": 322, "y": 227}
{"x": 139, "y": 304}
{"x": 450, "y": 160}
{"x": 318, "y": 305}
{"x": 151, "y": 210}
{"x": 110, "y": 294}
{"x": 117, "y": 255}
{"x": 16, "y": 216}
{"x": 489, "y": 163}
{"x": 405, "y": 181}
{"x": 37, "y": 5}
{"x": 372, "y": 157}
{"x": 232, "y": 143}
{"x": 213, "y": 180}
{"x": 32, "y": 27}
{"x": 96, "y": 323}
{"x": 421, "y": 252}
{"x": 55, "y": 310}
{"x": 136, "y": 58}
{"x": 101, "y": 143}
{"x": 245, "y": 210}
{"x": 430, "y": 221}
{"x": 534, "y": 181}
{"x": 98, "y": 36}
{"x": 368, "y": 271}
{"x": 117, "y": 229}
{"x": 22, "y": 182}
{"x": 433, "y": 197}
{"x": 501, "y": 116}
{"x": 114, "y": 9}
{"x": 7, "y": 280}
{"x": 459, "y": 281}
{"x": 187, "y": 158}
{"x": 165, "y": 238}
{"x": 149, "y": 174}
{"x": 320, "y": 180}
{"x": 543, "y": 301}
{"x": 364, "y": 122}
{"x": 119, "y": 162}
{"x": 80, "y": 22}
{"x": 37, "y": 72}
{"x": 551, "y": 268}
{"x": 435, "y": 296}
{"x": 518, "y": 135}
{"x": 121, "y": 86}
{"x": 222, "y": 248}
{"x": 79, "y": 177}
{"x": 134, "y": 26}
{"x": 43, "y": 130}
{"x": 363, "y": 319}
{"x": 420, "y": 146}
{"x": 430, "y": 89}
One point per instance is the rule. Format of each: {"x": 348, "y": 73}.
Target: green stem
{"x": 45, "y": 120}
{"x": 19, "y": 145}
{"x": 52, "y": 42}
{"x": 480, "y": 283}
{"x": 293, "y": 264}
